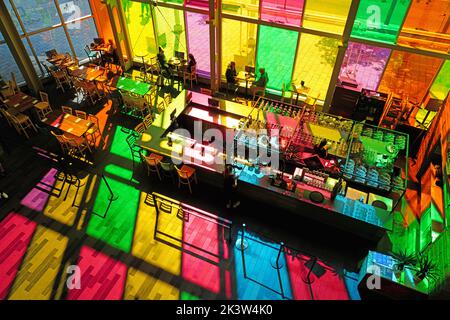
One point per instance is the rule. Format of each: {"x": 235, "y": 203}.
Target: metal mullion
{"x": 80, "y": 19}
{"x": 26, "y": 36}
{"x": 61, "y": 17}
{"x": 295, "y": 58}
{"x": 403, "y": 21}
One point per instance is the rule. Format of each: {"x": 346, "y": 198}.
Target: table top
{"x": 100, "y": 47}
{"x": 242, "y": 75}
{"x": 130, "y": 85}
{"x": 20, "y": 102}
{"x": 87, "y": 73}
{"x": 70, "y": 124}
{"x": 325, "y": 132}
{"x": 56, "y": 58}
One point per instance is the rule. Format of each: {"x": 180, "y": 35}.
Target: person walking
{"x": 230, "y": 187}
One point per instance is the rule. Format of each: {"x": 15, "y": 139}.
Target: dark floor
{"x": 82, "y": 233}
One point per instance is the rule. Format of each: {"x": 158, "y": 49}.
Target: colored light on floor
{"x": 37, "y": 275}
{"x": 16, "y": 232}
{"x": 37, "y": 198}
{"x": 102, "y": 278}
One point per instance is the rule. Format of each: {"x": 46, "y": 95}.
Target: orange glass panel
{"x": 427, "y": 26}
{"x": 409, "y": 75}
{"x": 101, "y": 16}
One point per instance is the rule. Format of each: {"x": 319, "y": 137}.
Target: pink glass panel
{"x": 202, "y": 4}
{"x": 287, "y": 12}
{"x": 198, "y": 40}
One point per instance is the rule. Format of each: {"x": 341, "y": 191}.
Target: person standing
{"x": 230, "y": 187}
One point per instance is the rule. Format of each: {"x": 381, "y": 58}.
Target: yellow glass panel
{"x": 326, "y": 15}
{"x": 170, "y": 30}
{"x": 409, "y": 75}
{"x": 316, "y": 57}
{"x": 140, "y": 28}
{"x": 248, "y": 8}
{"x": 238, "y": 44}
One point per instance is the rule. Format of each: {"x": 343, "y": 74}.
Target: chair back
{"x": 6, "y": 114}
{"x": 206, "y": 91}
{"x": 67, "y": 110}
{"x": 161, "y": 107}
{"x": 131, "y": 140}
{"x": 14, "y": 82}
{"x": 44, "y": 96}
{"x": 60, "y": 139}
{"x": 167, "y": 166}
{"x": 181, "y": 174}
{"x": 150, "y": 161}
{"x": 81, "y": 114}
{"x": 167, "y": 99}
{"x": 148, "y": 120}
{"x": 94, "y": 120}
{"x": 140, "y": 128}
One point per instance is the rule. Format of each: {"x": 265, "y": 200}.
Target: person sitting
{"x": 191, "y": 63}
{"x": 231, "y": 75}
{"x": 322, "y": 149}
{"x": 260, "y": 84}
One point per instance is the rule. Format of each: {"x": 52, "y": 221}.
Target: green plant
{"x": 426, "y": 269}
{"x": 403, "y": 259}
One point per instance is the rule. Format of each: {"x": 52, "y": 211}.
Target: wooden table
{"x": 56, "y": 58}
{"x": 20, "y": 102}
{"x": 245, "y": 76}
{"x": 130, "y": 85}
{"x": 70, "y": 124}
{"x": 87, "y": 73}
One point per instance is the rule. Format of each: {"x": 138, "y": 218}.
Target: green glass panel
{"x": 170, "y": 30}
{"x": 275, "y": 53}
{"x": 441, "y": 85}
{"x": 380, "y": 20}
{"x": 140, "y": 28}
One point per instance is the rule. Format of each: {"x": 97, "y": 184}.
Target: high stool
{"x": 186, "y": 175}
{"x": 152, "y": 162}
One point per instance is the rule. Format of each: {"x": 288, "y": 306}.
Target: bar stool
{"x": 185, "y": 175}
{"x": 152, "y": 163}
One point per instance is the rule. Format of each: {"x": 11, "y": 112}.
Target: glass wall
{"x": 276, "y": 51}
{"x": 8, "y": 64}
{"x": 238, "y": 44}
{"x": 441, "y": 84}
{"x": 139, "y": 22}
{"x": 315, "y": 61}
{"x": 202, "y": 4}
{"x": 43, "y": 27}
{"x": 326, "y": 15}
{"x": 409, "y": 75}
{"x": 198, "y": 40}
{"x": 427, "y": 26}
{"x": 248, "y": 8}
{"x": 287, "y": 12}
{"x": 364, "y": 65}
{"x": 380, "y": 20}
{"x": 170, "y": 29}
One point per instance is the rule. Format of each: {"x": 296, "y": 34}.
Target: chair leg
{"x": 189, "y": 185}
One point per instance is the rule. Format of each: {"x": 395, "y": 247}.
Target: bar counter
{"x": 343, "y": 213}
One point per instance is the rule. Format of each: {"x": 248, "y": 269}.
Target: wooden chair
{"x": 148, "y": 120}
{"x": 168, "y": 169}
{"x": 8, "y": 91}
{"x": 6, "y": 115}
{"x": 43, "y": 107}
{"x": 62, "y": 142}
{"x": 61, "y": 79}
{"x": 161, "y": 106}
{"x": 260, "y": 90}
{"x": 190, "y": 76}
{"x": 152, "y": 162}
{"x": 22, "y": 123}
{"x": 140, "y": 128}
{"x": 66, "y": 109}
{"x": 167, "y": 99}
{"x": 94, "y": 132}
{"x": 77, "y": 145}
{"x": 81, "y": 114}
{"x": 13, "y": 83}
{"x": 185, "y": 176}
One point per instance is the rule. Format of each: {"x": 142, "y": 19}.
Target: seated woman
{"x": 231, "y": 75}
{"x": 191, "y": 63}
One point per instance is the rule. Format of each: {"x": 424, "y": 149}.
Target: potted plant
{"x": 403, "y": 259}
{"x": 426, "y": 269}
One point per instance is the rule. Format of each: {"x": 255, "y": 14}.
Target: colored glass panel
{"x": 315, "y": 62}
{"x": 198, "y": 40}
{"x": 37, "y": 15}
{"x": 441, "y": 85}
{"x": 101, "y": 15}
{"x": 238, "y": 44}
{"x": 248, "y": 8}
{"x": 427, "y": 26}
{"x": 282, "y": 11}
{"x": 170, "y": 30}
{"x": 380, "y": 20}
{"x": 326, "y": 15}
{"x": 8, "y": 64}
{"x": 202, "y": 4}
{"x": 277, "y": 59}
{"x": 140, "y": 28}
{"x": 409, "y": 75}
{"x": 364, "y": 65}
